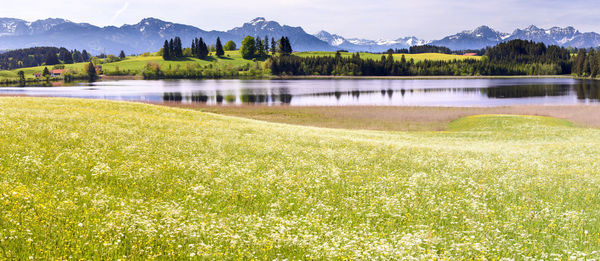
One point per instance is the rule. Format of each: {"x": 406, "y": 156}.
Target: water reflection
{"x": 589, "y": 90}
{"x": 472, "y": 92}
{"x": 527, "y": 91}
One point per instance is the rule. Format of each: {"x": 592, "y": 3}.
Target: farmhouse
{"x": 56, "y": 73}
{"x": 470, "y": 54}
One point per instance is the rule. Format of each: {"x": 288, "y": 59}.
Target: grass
{"x": 393, "y": 118}
{"x": 231, "y": 59}
{"x": 416, "y": 57}
{"x": 136, "y": 64}
{"x": 29, "y": 71}
{"x": 110, "y": 180}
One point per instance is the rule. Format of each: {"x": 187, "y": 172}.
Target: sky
{"x": 372, "y": 19}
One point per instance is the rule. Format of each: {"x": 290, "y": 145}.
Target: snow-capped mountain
{"x": 474, "y": 39}
{"x": 150, "y": 33}
{"x": 147, "y": 35}
{"x": 484, "y": 36}
{"x": 332, "y": 39}
{"x": 357, "y": 44}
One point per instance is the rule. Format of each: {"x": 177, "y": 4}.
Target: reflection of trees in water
{"x": 280, "y": 95}
{"x": 247, "y": 96}
{"x": 172, "y": 97}
{"x": 389, "y": 93}
{"x": 588, "y": 90}
{"x": 526, "y": 91}
{"x": 199, "y": 97}
{"x": 585, "y": 90}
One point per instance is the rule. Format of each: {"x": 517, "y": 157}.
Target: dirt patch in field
{"x": 395, "y": 118}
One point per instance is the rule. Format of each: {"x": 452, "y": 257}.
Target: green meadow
{"x": 134, "y": 65}
{"x": 415, "y": 57}
{"x": 89, "y": 179}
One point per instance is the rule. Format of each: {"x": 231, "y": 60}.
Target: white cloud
{"x": 119, "y": 12}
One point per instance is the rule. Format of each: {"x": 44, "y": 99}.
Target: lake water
{"x": 455, "y": 92}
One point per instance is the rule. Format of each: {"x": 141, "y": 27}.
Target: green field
{"x": 415, "y": 57}
{"x": 29, "y": 71}
{"x": 135, "y": 65}
{"x": 93, "y": 180}
{"x": 231, "y": 58}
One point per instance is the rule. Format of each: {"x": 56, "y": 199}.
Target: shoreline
{"x": 394, "y": 118}
{"x": 382, "y": 118}
{"x": 324, "y": 77}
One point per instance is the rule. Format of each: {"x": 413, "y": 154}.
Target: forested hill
{"x": 37, "y": 56}
{"x": 516, "y": 57}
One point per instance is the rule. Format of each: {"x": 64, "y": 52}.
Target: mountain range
{"x": 150, "y": 33}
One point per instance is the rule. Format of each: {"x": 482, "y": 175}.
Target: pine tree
{"x": 285, "y": 48}
{"x": 166, "y": 51}
{"x": 266, "y": 45}
{"x": 77, "y": 56}
{"x": 85, "y": 56}
{"x": 203, "y": 49}
{"x": 259, "y": 47}
{"x": 273, "y": 46}
{"x": 178, "y": 48}
{"x": 122, "y": 55}
{"x": 91, "y": 71}
{"x": 46, "y": 72}
{"x": 52, "y": 58}
{"x": 219, "y": 47}
{"x": 172, "y": 49}
{"x": 193, "y": 47}
{"x": 21, "y": 77}
{"x": 66, "y": 56}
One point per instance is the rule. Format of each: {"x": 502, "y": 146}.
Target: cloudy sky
{"x": 374, "y": 19}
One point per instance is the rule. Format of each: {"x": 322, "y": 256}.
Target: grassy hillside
{"x": 231, "y": 58}
{"x": 135, "y": 65}
{"x": 416, "y": 57}
{"x": 108, "y": 180}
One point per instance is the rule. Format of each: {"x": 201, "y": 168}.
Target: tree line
{"x": 38, "y": 56}
{"x": 511, "y": 58}
{"x": 252, "y": 47}
{"x": 587, "y": 63}
{"x": 172, "y": 49}
{"x": 255, "y": 47}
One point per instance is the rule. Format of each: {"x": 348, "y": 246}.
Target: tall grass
{"x": 109, "y": 180}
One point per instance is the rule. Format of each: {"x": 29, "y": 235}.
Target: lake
{"x": 320, "y": 92}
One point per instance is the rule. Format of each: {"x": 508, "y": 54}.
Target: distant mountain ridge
{"x": 147, "y": 35}
{"x": 150, "y": 33}
{"x": 357, "y": 44}
{"x": 484, "y": 36}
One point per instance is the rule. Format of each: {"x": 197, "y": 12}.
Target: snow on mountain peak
{"x": 258, "y": 20}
